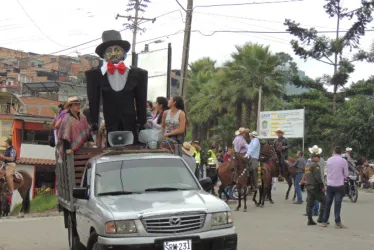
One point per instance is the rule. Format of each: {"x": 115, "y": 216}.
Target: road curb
{"x": 35, "y": 215}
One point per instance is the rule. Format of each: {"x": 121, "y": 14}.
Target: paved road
{"x": 280, "y": 226}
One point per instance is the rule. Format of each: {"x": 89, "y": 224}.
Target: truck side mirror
{"x": 80, "y": 193}
{"x": 206, "y": 183}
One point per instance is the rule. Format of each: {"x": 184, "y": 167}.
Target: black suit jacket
{"x": 123, "y": 109}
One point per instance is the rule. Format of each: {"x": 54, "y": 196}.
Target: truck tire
{"x": 74, "y": 243}
{"x": 95, "y": 245}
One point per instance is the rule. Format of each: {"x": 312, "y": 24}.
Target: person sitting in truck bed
{"x": 74, "y": 130}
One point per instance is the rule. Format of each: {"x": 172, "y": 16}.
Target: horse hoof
{"x": 286, "y": 197}
{"x": 244, "y": 210}
{"x": 293, "y": 199}
{"x": 257, "y": 205}
{"x": 271, "y": 202}
{"x": 262, "y": 205}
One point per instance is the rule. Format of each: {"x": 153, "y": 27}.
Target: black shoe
{"x": 311, "y": 222}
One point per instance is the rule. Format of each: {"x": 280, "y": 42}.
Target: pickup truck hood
{"x": 153, "y": 203}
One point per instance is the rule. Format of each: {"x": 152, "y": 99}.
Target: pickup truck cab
{"x": 147, "y": 201}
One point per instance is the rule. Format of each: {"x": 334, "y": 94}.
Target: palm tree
{"x": 253, "y": 65}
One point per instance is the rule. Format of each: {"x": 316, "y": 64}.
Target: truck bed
{"x": 70, "y": 172}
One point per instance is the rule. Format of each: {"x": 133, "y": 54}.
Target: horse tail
{"x": 26, "y": 202}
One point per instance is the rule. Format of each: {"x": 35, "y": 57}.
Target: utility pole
{"x": 137, "y": 5}
{"x": 186, "y": 48}
{"x": 259, "y": 108}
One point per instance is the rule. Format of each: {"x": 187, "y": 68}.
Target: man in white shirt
{"x": 253, "y": 155}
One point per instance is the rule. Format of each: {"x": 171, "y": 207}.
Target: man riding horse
{"x": 252, "y": 156}
{"x": 9, "y": 158}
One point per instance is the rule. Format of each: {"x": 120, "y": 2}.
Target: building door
{"x": 45, "y": 179}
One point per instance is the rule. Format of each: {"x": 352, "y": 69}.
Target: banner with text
{"x": 290, "y": 121}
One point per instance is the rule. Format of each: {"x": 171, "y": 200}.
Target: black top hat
{"x": 110, "y": 38}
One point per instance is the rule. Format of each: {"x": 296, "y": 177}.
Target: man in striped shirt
{"x": 9, "y": 158}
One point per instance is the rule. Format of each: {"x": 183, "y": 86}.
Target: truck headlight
{"x": 120, "y": 227}
{"x": 221, "y": 218}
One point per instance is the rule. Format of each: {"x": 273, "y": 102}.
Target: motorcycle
{"x": 351, "y": 187}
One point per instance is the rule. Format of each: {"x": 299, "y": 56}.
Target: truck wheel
{"x": 95, "y": 245}
{"x": 74, "y": 243}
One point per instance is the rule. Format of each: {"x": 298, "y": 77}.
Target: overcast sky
{"x": 60, "y": 24}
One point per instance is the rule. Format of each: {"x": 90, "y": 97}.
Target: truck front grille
{"x": 174, "y": 224}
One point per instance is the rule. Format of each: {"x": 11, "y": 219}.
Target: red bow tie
{"x": 121, "y": 67}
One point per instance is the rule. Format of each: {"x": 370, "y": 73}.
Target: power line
{"x": 241, "y": 4}
{"x": 238, "y": 31}
{"x": 37, "y": 25}
{"x": 252, "y": 19}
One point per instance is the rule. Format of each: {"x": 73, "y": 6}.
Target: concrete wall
{"x": 37, "y": 151}
{"x": 30, "y": 170}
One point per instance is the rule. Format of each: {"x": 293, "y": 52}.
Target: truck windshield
{"x": 143, "y": 175}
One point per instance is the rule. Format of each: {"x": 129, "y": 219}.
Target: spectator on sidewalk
{"x": 300, "y": 167}
{"x": 337, "y": 171}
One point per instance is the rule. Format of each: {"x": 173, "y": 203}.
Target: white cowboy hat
{"x": 315, "y": 149}
{"x": 241, "y": 130}
{"x": 71, "y": 100}
{"x": 254, "y": 134}
{"x": 188, "y": 149}
{"x": 348, "y": 149}
{"x": 279, "y": 131}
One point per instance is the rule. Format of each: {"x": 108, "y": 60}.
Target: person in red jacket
{"x": 228, "y": 155}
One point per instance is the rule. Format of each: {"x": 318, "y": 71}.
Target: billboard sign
{"x": 156, "y": 63}
{"x": 290, "y": 121}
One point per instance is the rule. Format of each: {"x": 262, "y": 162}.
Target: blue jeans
{"x": 201, "y": 171}
{"x": 335, "y": 194}
{"x": 298, "y": 178}
{"x": 316, "y": 208}
{"x": 229, "y": 192}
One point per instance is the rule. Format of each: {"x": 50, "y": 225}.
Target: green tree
{"x": 356, "y": 125}
{"x": 330, "y": 51}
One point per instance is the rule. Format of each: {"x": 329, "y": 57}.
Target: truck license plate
{"x": 178, "y": 245}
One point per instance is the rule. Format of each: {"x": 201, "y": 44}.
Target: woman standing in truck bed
{"x": 74, "y": 131}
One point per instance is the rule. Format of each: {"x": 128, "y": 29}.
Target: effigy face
{"x": 114, "y": 54}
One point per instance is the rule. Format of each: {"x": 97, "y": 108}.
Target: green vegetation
{"x": 40, "y": 204}
{"x": 221, "y": 99}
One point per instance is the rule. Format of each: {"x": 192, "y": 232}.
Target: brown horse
{"x": 265, "y": 188}
{"x": 225, "y": 175}
{"x": 22, "y": 183}
{"x": 268, "y": 151}
{"x": 234, "y": 173}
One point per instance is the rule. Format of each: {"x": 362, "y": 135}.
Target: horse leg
{"x": 220, "y": 191}
{"x": 239, "y": 198}
{"x": 254, "y": 198}
{"x": 289, "y": 182}
{"x": 269, "y": 195}
{"x": 262, "y": 196}
{"x": 245, "y": 199}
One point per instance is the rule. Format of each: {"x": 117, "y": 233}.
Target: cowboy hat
{"x": 188, "y": 149}
{"x": 254, "y": 134}
{"x": 315, "y": 149}
{"x": 279, "y": 131}
{"x": 348, "y": 149}
{"x": 71, "y": 100}
{"x": 110, "y": 38}
{"x": 241, "y": 130}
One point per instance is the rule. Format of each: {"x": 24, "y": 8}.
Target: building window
{"x": 53, "y": 60}
{"x": 36, "y": 137}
